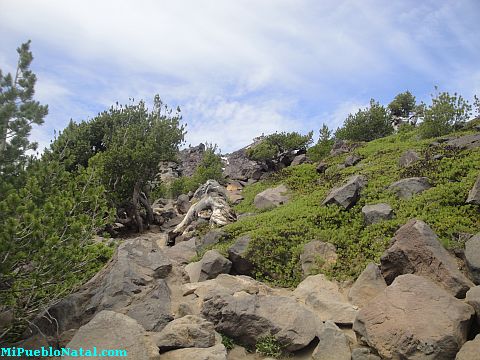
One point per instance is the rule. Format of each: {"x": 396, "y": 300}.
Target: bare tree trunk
{"x": 144, "y": 201}
{"x": 136, "y": 202}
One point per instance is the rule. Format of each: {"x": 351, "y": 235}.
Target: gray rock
{"x": 415, "y": 249}
{"x": 191, "y": 158}
{"x": 363, "y": 354}
{"x": 470, "y": 350}
{"x": 183, "y": 204}
{"x": 324, "y": 298}
{"x": 187, "y": 332}
{"x": 465, "y": 142}
{"x": 408, "y": 158}
{"x": 473, "y": 299}
{"x": 210, "y": 238}
{"x": 216, "y": 352}
{"x": 369, "y": 284}
{"x": 340, "y": 147}
{"x": 352, "y": 160}
{"x": 271, "y": 198}
{"x": 135, "y": 275}
{"x": 472, "y": 257}
{"x": 246, "y": 318}
{"x": 211, "y": 265}
{"x": 348, "y": 194}
{"x": 406, "y": 188}
{"x": 321, "y": 167}
{"x": 237, "y": 254}
{"x": 474, "y": 193}
{"x": 111, "y": 330}
{"x": 299, "y": 159}
{"x": 376, "y": 213}
{"x": 398, "y": 322}
{"x": 183, "y": 252}
{"x": 317, "y": 255}
{"x": 332, "y": 345}
{"x": 240, "y": 167}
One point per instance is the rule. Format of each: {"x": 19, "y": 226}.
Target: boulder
{"x": 271, "y": 198}
{"x": 340, "y": 147}
{"x": 211, "y": 265}
{"x": 352, "y": 160}
{"x": 135, "y": 275}
{"x": 324, "y": 298}
{"x": 333, "y": 344}
{"x": 299, "y": 159}
{"x": 237, "y": 254}
{"x": 470, "y": 350}
{"x": 414, "y": 319}
{"x": 474, "y": 193}
{"x": 369, "y": 284}
{"x": 183, "y": 252}
{"x": 465, "y": 142}
{"x": 317, "y": 255}
{"x": 183, "y": 204}
{"x": 321, "y": 167}
{"x": 472, "y": 257}
{"x": 415, "y": 249}
{"x": 473, "y": 299}
{"x": 408, "y": 158}
{"x": 246, "y": 318}
{"x": 210, "y": 238}
{"x": 111, "y": 330}
{"x": 216, "y": 352}
{"x": 348, "y": 194}
{"x": 191, "y": 158}
{"x": 187, "y": 332}
{"x": 240, "y": 167}
{"x": 406, "y": 188}
{"x": 376, "y": 213}
{"x": 363, "y": 354}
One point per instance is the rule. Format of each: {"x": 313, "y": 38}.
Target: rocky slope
{"x": 184, "y": 291}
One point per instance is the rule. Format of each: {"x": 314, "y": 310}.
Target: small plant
{"x": 269, "y": 346}
{"x": 227, "y": 342}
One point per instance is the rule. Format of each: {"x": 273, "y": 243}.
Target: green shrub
{"x": 322, "y": 148}
{"x": 276, "y": 144}
{"x": 227, "y": 342}
{"x": 445, "y": 114}
{"x": 366, "y": 125}
{"x": 269, "y": 346}
{"x": 403, "y": 104}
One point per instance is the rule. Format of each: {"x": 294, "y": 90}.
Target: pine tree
{"x": 18, "y": 111}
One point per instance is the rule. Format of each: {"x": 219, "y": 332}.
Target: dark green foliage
{"x": 366, "y": 125}
{"x": 277, "y": 144}
{"x": 227, "y": 342}
{"x": 18, "y": 111}
{"x": 445, "y": 114}
{"x": 403, "y": 105}
{"x": 46, "y": 230}
{"x": 125, "y": 144}
{"x": 322, "y": 148}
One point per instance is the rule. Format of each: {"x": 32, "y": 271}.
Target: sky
{"x": 240, "y": 68}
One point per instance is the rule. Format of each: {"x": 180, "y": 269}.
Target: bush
{"x": 269, "y": 346}
{"x": 277, "y": 144}
{"x": 322, "y": 148}
{"x": 445, "y": 114}
{"x": 366, "y": 125}
{"x": 403, "y": 105}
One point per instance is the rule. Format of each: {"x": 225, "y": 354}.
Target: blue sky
{"x": 245, "y": 67}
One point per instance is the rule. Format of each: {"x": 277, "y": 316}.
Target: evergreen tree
{"x": 18, "y": 111}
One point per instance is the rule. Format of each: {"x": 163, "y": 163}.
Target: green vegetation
{"x": 18, "y": 111}
{"x": 227, "y": 342}
{"x": 322, "y": 148}
{"x": 403, "y": 105}
{"x": 367, "y": 124}
{"x": 445, "y": 114}
{"x": 274, "y": 145}
{"x": 269, "y": 346}
{"x": 280, "y": 234}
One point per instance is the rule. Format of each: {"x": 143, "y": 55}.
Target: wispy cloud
{"x": 240, "y": 68}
